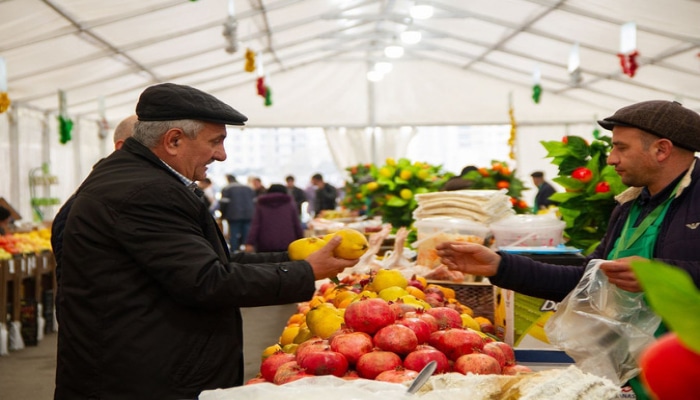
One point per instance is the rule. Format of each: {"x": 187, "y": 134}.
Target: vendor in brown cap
{"x": 658, "y": 217}
{"x": 149, "y": 305}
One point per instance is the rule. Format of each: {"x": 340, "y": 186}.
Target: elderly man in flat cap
{"x": 149, "y": 306}
{"x": 658, "y": 217}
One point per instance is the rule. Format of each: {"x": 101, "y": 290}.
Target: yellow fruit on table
{"x": 290, "y": 348}
{"x": 353, "y": 245}
{"x": 316, "y": 301}
{"x": 344, "y": 296}
{"x": 415, "y": 292}
{"x": 324, "y": 320}
{"x": 303, "y": 335}
{"x": 270, "y": 350}
{"x": 288, "y": 334}
{"x": 406, "y": 194}
{"x": 392, "y": 293}
{"x": 297, "y": 318}
{"x": 469, "y": 322}
{"x": 300, "y": 249}
{"x": 365, "y": 294}
{"x": 413, "y": 301}
{"x": 387, "y": 278}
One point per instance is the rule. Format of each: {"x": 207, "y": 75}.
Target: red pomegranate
{"x": 326, "y": 362}
{"x": 374, "y": 363}
{"x": 421, "y": 314}
{"x": 446, "y": 317}
{"x": 420, "y": 327}
{"x": 419, "y": 358}
{"x": 477, "y": 363}
{"x": 515, "y": 369}
{"x": 456, "y": 342}
{"x": 495, "y": 351}
{"x": 397, "y": 375}
{"x": 288, "y": 372}
{"x": 397, "y": 338}
{"x": 508, "y": 352}
{"x": 253, "y": 381}
{"x": 369, "y": 315}
{"x": 311, "y": 345}
{"x": 352, "y": 345}
{"x": 271, "y": 364}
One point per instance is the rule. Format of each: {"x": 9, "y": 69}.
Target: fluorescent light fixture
{"x": 628, "y": 38}
{"x": 574, "y": 58}
{"x": 374, "y": 76}
{"x": 393, "y": 51}
{"x": 421, "y": 11}
{"x": 383, "y": 66}
{"x": 411, "y": 37}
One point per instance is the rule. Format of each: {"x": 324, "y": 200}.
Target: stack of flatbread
{"x": 484, "y": 206}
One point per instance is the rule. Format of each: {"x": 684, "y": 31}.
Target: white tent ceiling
{"x": 476, "y": 57}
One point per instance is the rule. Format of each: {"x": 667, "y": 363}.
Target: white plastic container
{"x": 432, "y": 231}
{"x": 528, "y": 230}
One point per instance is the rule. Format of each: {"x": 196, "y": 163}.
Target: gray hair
{"x": 150, "y": 132}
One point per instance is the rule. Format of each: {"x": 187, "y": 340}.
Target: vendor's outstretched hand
{"x": 470, "y": 258}
{"x": 324, "y": 264}
{"x": 620, "y": 274}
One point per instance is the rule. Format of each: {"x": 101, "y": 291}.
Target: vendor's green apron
{"x": 640, "y": 241}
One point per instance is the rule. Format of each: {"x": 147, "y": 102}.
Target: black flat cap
{"x": 666, "y": 119}
{"x": 169, "y": 102}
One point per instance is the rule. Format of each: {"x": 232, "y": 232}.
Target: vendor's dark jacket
{"x": 150, "y": 298}
{"x": 678, "y": 243}
{"x": 275, "y": 223}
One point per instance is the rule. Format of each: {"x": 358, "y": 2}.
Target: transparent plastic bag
{"x": 602, "y": 327}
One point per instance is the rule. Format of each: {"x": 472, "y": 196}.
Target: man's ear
{"x": 172, "y": 139}
{"x": 663, "y": 149}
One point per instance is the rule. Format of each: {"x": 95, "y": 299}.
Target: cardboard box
{"x": 519, "y": 321}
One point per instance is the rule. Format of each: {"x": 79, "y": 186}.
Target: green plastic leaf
{"x": 561, "y": 197}
{"x": 672, "y": 294}
{"x": 396, "y": 202}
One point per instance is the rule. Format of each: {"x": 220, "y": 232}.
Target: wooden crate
{"x": 478, "y": 296}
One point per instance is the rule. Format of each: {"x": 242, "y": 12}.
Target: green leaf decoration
{"x": 65, "y": 126}
{"x": 672, "y": 294}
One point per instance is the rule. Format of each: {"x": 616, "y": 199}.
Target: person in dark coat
{"x": 326, "y": 194}
{"x": 276, "y": 222}
{"x": 297, "y": 193}
{"x": 544, "y": 191}
{"x": 150, "y": 294}
{"x": 654, "y": 146}
{"x": 237, "y": 204}
{"x": 124, "y": 130}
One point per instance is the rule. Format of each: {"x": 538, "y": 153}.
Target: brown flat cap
{"x": 666, "y": 119}
{"x": 170, "y": 102}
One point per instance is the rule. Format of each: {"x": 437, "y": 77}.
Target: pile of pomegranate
{"x": 386, "y": 340}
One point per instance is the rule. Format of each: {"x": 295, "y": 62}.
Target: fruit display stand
{"x": 479, "y": 296}
{"x": 27, "y": 286}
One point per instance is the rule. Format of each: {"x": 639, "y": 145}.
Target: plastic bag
{"x": 602, "y": 327}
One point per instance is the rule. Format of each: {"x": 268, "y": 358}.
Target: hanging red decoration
{"x": 261, "y": 86}
{"x": 628, "y": 62}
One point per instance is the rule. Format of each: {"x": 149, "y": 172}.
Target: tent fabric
{"x": 476, "y": 59}
{"x": 317, "y": 53}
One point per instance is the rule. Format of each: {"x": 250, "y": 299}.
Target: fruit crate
{"x": 479, "y": 296}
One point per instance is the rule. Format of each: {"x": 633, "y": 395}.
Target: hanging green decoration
{"x": 65, "y": 124}
{"x": 536, "y": 93}
{"x": 268, "y": 96}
